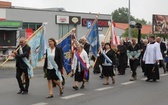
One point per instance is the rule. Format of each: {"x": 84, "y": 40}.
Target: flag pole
{"x": 104, "y": 41}
{"x": 59, "y": 41}
{"x": 26, "y": 42}
{"x": 95, "y": 20}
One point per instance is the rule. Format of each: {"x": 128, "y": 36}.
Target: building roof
{"x": 146, "y": 29}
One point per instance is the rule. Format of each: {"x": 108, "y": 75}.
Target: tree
{"x": 134, "y": 33}
{"x": 120, "y": 15}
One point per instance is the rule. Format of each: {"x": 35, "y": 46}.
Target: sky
{"x": 142, "y": 9}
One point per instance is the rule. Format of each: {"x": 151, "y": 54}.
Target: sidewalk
{"x": 11, "y": 64}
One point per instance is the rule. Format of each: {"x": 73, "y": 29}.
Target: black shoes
{"x": 75, "y": 87}
{"x": 148, "y": 80}
{"x": 101, "y": 76}
{"x": 50, "y": 96}
{"x": 25, "y": 92}
{"x": 22, "y": 92}
{"x": 82, "y": 87}
{"x": 105, "y": 83}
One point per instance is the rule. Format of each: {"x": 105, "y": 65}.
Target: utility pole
{"x": 129, "y": 29}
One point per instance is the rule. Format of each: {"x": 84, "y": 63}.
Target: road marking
{"x": 127, "y": 83}
{"x": 163, "y": 75}
{"x": 72, "y": 96}
{"x": 101, "y": 89}
{"x": 41, "y": 103}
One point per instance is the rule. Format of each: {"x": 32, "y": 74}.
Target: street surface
{"x": 124, "y": 92}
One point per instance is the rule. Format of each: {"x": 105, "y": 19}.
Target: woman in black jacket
{"x": 55, "y": 53}
{"x": 106, "y": 65}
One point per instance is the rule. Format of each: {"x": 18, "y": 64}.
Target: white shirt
{"x": 52, "y": 54}
{"x": 85, "y": 58}
{"x": 152, "y": 53}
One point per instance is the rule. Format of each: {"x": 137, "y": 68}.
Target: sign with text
{"x": 62, "y": 19}
{"x": 10, "y": 24}
{"x": 101, "y": 22}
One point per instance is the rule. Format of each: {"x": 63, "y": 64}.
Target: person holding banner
{"x": 107, "y": 61}
{"x": 80, "y": 66}
{"x": 21, "y": 65}
{"x": 52, "y": 66}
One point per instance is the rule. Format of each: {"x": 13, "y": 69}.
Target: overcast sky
{"x": 139, "y": 8}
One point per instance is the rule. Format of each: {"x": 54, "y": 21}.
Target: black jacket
{"x": 162, "y": 47}
{"x": 58, "y": 58}
{"x": 19, "y": 62}
{"x": 87, "y": 48}
{"x": 111, "y": 55}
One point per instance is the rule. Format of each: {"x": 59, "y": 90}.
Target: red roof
{"x": 146, "y": 29}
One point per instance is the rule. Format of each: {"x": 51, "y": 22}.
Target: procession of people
{"x": 150, "y": 55}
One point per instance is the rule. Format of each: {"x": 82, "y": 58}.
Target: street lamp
{"x": 133, "y": 24}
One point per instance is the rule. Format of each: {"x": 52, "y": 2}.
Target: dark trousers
{"x": 152, "y": 71}
{"x": 133, "y": 66}
{"x": 162, "y": 64}
{"x": 19, "y": 73}
{"x": 143, "y": 66}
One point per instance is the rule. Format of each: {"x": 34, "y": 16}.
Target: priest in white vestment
{"x": 151, "y": 58}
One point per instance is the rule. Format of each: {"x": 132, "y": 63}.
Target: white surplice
{"x": 152, "y": 53}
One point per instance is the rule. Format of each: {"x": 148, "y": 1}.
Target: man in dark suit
{"x": 86, "y": 45}
{"x": 162, "y": 49}
{"x": 21, "y": 66}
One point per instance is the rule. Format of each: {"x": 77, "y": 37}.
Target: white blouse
{"x": 85, "y": 58}
{"x": 52, "y": 54}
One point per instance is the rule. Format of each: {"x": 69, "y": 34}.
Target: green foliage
{"x": 134, "y": 33}
{"x": 120, "y": 15}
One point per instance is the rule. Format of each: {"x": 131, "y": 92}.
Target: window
{"x": 33, "y": 26}
{"x": 64, "y": 29}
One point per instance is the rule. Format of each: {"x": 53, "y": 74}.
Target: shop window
{"x": 64, "y": 29}
{"x": 33, "y": 26}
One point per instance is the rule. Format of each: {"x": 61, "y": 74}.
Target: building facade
{"x": 58, "y": 22}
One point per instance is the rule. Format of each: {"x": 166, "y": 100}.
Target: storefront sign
{"x": 10, "y": 24}
{"x": 74, "y": 19}
{"x": 101, "y": 22}
{"x": 62, "y": 19}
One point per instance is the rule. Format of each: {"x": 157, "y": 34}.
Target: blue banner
{"x": 38, "y": 47}
{"x": 93, "y": 39}
{"x": 66, "y": 48}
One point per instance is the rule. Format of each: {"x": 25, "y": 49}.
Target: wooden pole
{"x": 26, "y": 42}
{"x": 106, "y": 36}
{"x": 59, "y": 41}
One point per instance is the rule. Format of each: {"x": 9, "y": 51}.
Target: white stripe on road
{"x": 127, "y": 83}
{"x": 101, "y": 89}
{"x": 163, "y": 75}
{"x": 72, "y": 96}
{"x": 41, "y": 103}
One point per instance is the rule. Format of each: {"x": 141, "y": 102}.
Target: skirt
{"x": 108, "y": 71}
{"x": 51, "y": 75}
{"x": 79, "y": 76}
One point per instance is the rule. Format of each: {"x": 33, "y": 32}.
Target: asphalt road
{"x": 123, "y": 92}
